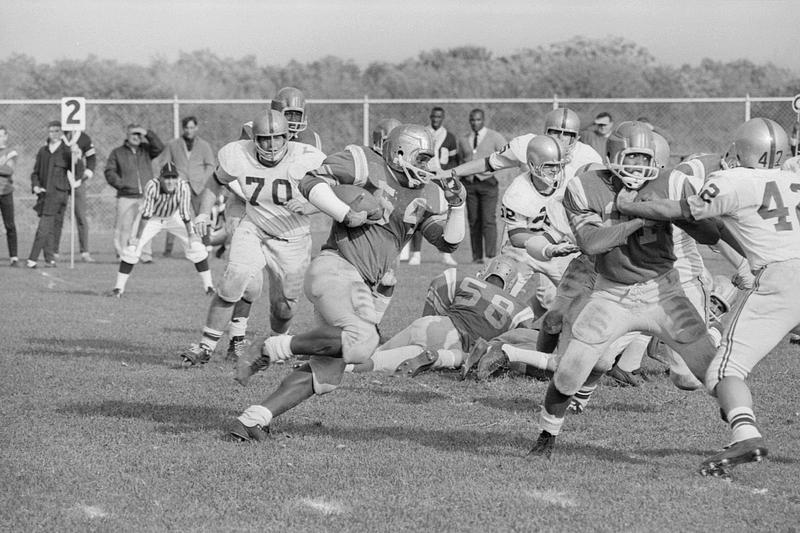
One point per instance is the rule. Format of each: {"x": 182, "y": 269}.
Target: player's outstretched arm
{"x": 652, "y": 208}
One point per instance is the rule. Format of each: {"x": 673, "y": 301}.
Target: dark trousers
{"x": 81, "y": 220}
{"x": 55, "y": 203}
{"x": 7, "y": 210}
{"x": 482, "y": 216}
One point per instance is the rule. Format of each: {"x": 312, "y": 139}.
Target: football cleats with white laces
{"x": 271, "y": 135}
{"x": 564, "y": 125}
{"x": 503, "y": 267}
{"x": 408, "y": 150}
{"x": 546, "y": 160}
{"x": 629, "y": 139}
{"x": 381, "y": 132}
{"x": 291, "y": 102}
{"x": 758, "y": 143}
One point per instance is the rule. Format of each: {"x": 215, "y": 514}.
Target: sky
{"x": 676, "y": 32}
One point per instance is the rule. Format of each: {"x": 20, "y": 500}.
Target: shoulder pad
{"x": 233, "y": 157}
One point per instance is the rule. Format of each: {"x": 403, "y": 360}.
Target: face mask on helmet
{"x": 271, "y": 135}
{"x": 721, "y": 297}
{"x": 630, "y": 154}
{"x": 504, "y": 269}
{"x": 545, "y": 158}
{"x": 408, "y": 150}
{"x": 292, "y": 102}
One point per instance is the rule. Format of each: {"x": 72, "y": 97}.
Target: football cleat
{"x": 794, "y": 338}
{"x": 412, "y": 367}
{"x": 544, "y": 446}
{"x": 576, "y": 407}
{"x": 478, "y": 350}
{"x": 241, "y": 433}
{"x": 114, "y": 293}
{"x": 249, "y": 364}
{"x": 210, "y": 291}
{"x": 493, "y": 363}
{"x": 195, "y": 356}
{"x": 745, "y": 451}
{"x": 684, "y": 381}
{"x": 623, "y": 378}
{"x": 236, "y": 349}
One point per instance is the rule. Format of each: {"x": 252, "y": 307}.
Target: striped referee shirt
{"x": 163, "y": 205}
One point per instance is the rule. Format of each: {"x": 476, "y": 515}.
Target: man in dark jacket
{"x": 49, "y": 175}
{"x": 128, "y": 169}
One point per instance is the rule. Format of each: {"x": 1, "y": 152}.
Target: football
{"x": 359, "y": 199}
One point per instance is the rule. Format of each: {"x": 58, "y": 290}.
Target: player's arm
{"x": 447, "y": 231}
{"x": 592, "y": 236}
{"x": 631, "y": 204}
{"x": 316, "y": 187}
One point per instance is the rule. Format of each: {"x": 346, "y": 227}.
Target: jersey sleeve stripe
{"x": 360, "y": 162}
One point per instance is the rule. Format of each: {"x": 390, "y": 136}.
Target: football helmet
{"x": 269, "y": 124}
{"x": 758, "y": 143}
{"x": 408, "y": 149}
{"x": 546, "y": 160}
{"x": 631, "y": 138}
{"x": 381, "y": 131}
{"x": 721, "y": 298}
{"x": 291, "y": 101}
{"x": 564, "y": 125}
{"x": 662, "y": 150}
{"x": 504, "y": 268}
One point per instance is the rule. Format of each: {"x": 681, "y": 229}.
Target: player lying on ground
{"x": 167, "y": 207}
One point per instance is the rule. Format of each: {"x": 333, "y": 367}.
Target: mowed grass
{"x": 101, "y": 432}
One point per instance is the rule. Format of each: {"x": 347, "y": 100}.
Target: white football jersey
{"x": 760, "y": 207}
{"x": 267, "y": 189}
{"x": 523, "y": 207}
{"x": 515, "y": 155}
{"x": 688, "y": 261}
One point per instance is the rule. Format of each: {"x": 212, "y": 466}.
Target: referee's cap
{"x": 169, "y": 170}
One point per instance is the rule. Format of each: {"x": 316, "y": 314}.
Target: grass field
{"x": 101, "y": 433}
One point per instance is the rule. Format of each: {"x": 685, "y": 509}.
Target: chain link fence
{"x": 693, "y": 125}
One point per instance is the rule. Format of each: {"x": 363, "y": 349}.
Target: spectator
{"x": 194, "y": 158}
{"x": 8, "y": 159}
{"x": 482, "y": 188}
{"x": 128, "y": 169}
{"x": 49, "y": 175}
{"x": 84, "y": 155}
{"x": 597, "y": 134}
{"x": 446, "y": 149}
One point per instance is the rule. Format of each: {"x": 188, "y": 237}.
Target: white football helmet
{"x": 565, "y": 125}
{"x": 504, "y": 268}
{"x": 270, "y": 123}
{"x": 408, "y": 150}
{"x": 758, "y": 143}
{"x": 381, "y": 131}
{"x": 546, "y": 160}
{"x": 631, "y": 138}
{"x": 290, "y": 101}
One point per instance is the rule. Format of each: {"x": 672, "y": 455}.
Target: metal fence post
{"x": 747, "y": 107}
{"x": 555, "y": 101}
{"x": 176, "y": 117}
{"x": 366, "y": 120}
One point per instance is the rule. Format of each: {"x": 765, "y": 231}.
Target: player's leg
{"x": 82, "y": 222}
{"x": 437, "y": 343}
{"x": 193, "y": 249}
{"x": 242, "y": 274}
{"x": 286, "y": 264}
{"x": 757, "y": 324}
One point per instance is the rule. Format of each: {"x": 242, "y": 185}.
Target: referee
{"x": 167, "y": 207}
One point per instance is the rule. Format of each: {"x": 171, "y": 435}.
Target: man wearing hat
{"x": 596, "y": 135}
{"x": 167, "y": 207}
{"x": 127, "y": 170}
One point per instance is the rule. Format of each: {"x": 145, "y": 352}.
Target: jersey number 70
{"x": 281, "y": 190}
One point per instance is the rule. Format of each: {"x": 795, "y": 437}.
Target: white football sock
{"x": 528, "y": 357}
{"x": 256, "y": 415}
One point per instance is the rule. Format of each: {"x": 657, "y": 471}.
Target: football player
{"x": 751, "y": 197}
{"x": 275, "y": 232}
{"x": 291, "y": 103}
{"x": 351, "y": 281}
{"x": 459, "y": 310}
{"x": 167, "y": 207}
{"x": 523, "y": 204}
{"x": 637, "y": 287}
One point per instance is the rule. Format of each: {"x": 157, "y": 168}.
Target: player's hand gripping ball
{"x": 359, "y": 199}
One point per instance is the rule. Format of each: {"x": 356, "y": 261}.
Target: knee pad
{"x": 282, "y": 309}
{"x": 130, "y": 254}
{"x": 238, "y": 280}
{"x": 553, "y": 321}
{"x": 196, "y": 251}
{"x": 593, "y": 325}
{"x": 327, "y": 373}
{"x": 580, "y": 361}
